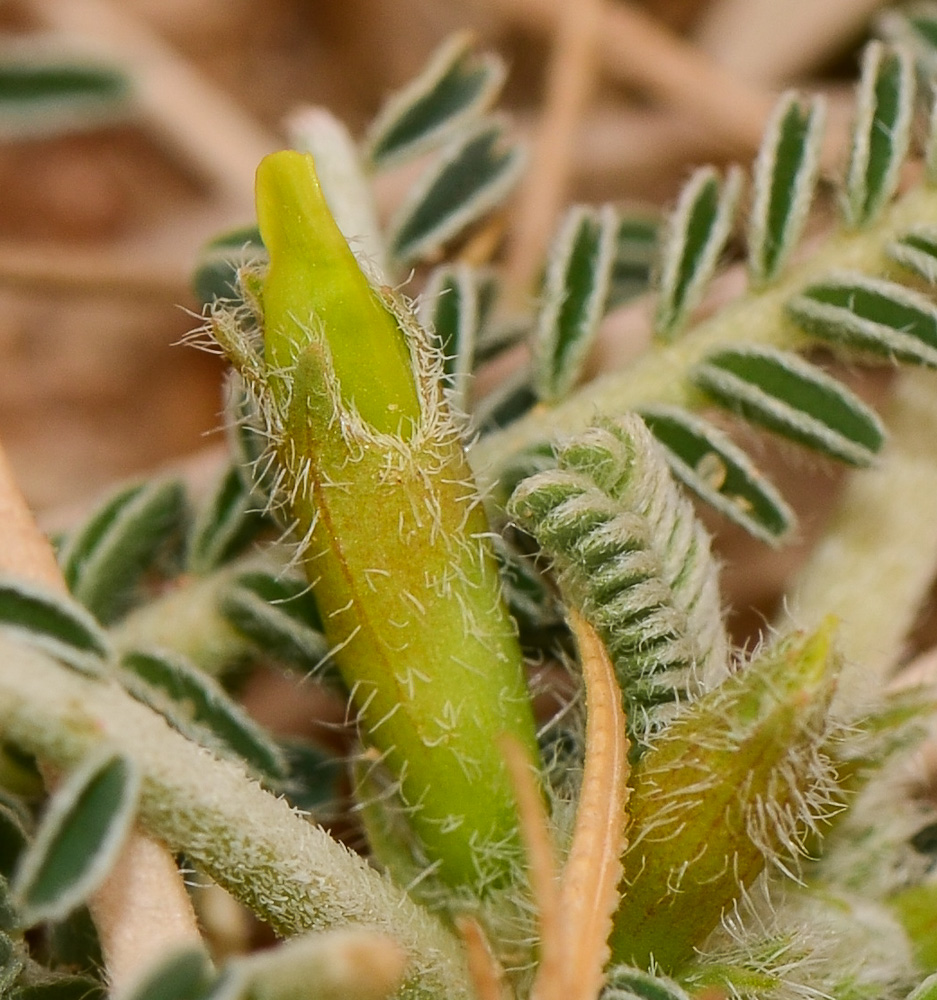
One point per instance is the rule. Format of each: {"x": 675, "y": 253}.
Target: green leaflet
{"x": 913, "y": 26}
{"x": 631, "y": 553}
{"x": 881, "y": 134}
{"x": 78, "y": 839}
{"x": 185, "y": 974}
{"x": 450, "y": 306}
{"x": 456, "y": 87}
{"x": 696, "y": 235}
{"x": 43, "y": 94}
{"x": 224, "y": 525}
{"x": 785, "y": 178}
{"x": 185, "y": 695}
{"x": 104, "y": 561}
{"x": 869, "y": 314}
{"x": 469, "y": 178}
{"x": 733, "y": 784}
{"x": 780, "y": 391}
{"x": 58, "y": 624}
{"x": 279, "y": 614}
{"x": 573, "y": 298}
{"x": 916, "y": 251}
{"x": 710, "y": 464}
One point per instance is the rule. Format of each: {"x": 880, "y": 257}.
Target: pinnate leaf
{"x": 792, "y": 397}
{"x": 630, "y": 553}
{"x": 78, "y": 839}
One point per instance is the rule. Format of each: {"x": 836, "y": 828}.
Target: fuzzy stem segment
{"x": 394, "y": 534}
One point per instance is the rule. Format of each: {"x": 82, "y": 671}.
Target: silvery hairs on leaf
{"x": 104, "y": 560}
{"x": 881, "y": 133}
{"x": 45, "y": 91}
{"x": 630, "y": 552}
{"x": 869, "y": 315}
{"x": 455, "y": 89}
{"x": 696, "y": 235}
{"x": 705, "y": 459}
{"x": 451, "y": 308}
{"x": 782, "y": 392}
{"x": 56, "y": 623}
{"x": 468, "y": 178}
{"x": 78, "y": 839}
{"x": 579, "y": 270}
{"x": 784, "y": 181}
{"x": 916, "y": 251}
{"x": 198, "y": 707}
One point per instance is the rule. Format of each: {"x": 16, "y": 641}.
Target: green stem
{"x": 660, "y": 375}
{"x": 288, "y": 871}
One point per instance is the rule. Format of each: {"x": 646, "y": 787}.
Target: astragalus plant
{"x": 697, "y": 820}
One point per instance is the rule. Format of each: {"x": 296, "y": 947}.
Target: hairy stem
{"x": 875, "y": 563}
{"x": 660, "y": 375}
{"x": 290, "y": 872}
{"x": 142, "y": 909}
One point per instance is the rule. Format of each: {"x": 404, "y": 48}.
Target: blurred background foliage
{"x": 103, "y": 209}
